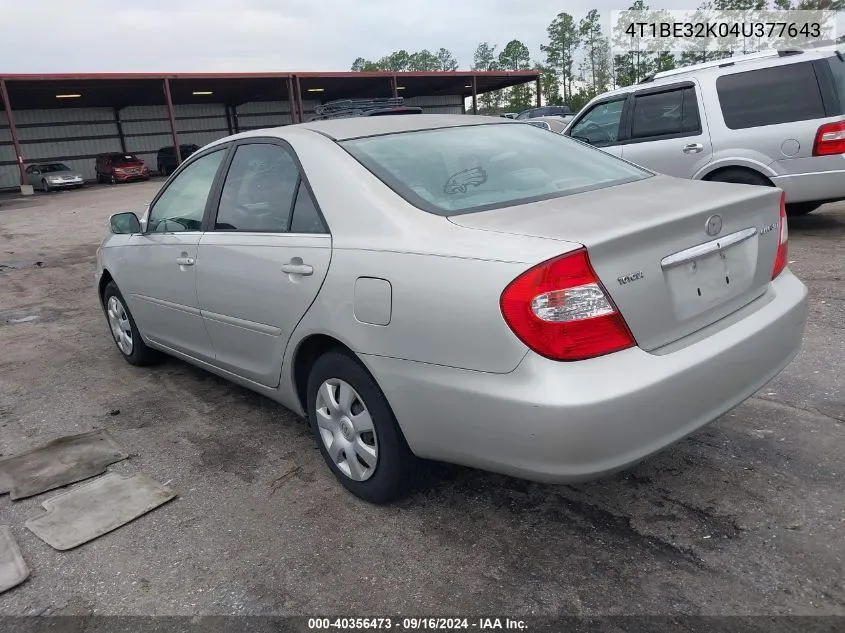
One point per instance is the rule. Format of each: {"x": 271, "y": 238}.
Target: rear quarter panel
{"x": 444, "y": 310}
{"x": 761, "y": 147}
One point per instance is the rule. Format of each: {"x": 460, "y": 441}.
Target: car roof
{"x": 355, "y": 127}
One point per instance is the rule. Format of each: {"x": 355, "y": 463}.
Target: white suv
{"x": 773, "y": 118}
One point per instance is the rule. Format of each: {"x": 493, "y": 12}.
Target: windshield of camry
{"x": 457, "y": 170}
{"x": 51, "y": 167}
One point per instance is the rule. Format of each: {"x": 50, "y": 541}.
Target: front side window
{"x": 259, "y": 189}
{"x": 768, "y": 96}
{"x": 182, "y": 204}
{"x": 600, "y": 125}
{"x": 474, "y": 168}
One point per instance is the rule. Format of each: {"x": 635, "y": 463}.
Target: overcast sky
{"x": 261, "y": 35}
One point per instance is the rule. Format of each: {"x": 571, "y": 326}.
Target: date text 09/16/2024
{"x": 416, "y": 624}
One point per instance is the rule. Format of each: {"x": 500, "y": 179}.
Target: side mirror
{"x": 583, "y": 139}
{"x": 124, "y": 223}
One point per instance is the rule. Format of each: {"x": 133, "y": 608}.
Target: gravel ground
{"x": 744, "y": 517}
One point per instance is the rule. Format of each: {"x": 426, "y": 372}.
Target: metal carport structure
{"x": 74, "y": 117}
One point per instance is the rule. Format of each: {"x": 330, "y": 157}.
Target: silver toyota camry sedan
{"x": 457, "y": 288}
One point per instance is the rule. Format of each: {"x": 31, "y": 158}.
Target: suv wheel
{"x": 801, "y": 208}
{"x": 356, "y": 430}
{"x": 741, "y": 176}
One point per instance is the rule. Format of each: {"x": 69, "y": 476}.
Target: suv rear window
{"x": 451, "y": 171}
{"x": 768, "y": 96}
{"x": 837, "y": 69}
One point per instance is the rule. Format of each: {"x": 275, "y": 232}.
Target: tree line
{"x": 578, "y": 60}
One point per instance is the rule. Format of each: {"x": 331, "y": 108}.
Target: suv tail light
{"x": 783, "y": 236}
{"x": 561, "y": 311}
{"x": 830, "y": 139}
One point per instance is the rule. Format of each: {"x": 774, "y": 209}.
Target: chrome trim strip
{"x": 254, "y": 326}
{"x": 714, "y": 246}
{"x": 168, "y": 304}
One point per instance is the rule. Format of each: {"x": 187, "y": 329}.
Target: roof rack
{"x": 737, "y": 59}
{"x": 343, "y": 108}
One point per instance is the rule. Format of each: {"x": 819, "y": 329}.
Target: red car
{"x": 116, "y": 167}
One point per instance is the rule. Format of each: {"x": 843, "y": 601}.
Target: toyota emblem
{"x": 714, "y": 225}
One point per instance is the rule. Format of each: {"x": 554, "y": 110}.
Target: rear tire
{"x": 741, "y": 176}
{"x": 123, "y": 329}
{"x": 801, "y": 208}
{"x": 386, "y": 469}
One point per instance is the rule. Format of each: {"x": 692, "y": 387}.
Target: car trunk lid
{"x": 649, "y": 243}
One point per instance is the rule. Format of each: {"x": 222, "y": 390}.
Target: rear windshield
{"x": 837, "y": 68}
{"x": 465, "y": 169}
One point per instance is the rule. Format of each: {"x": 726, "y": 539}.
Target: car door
{"x": 601, "y": 125}
{"x": 666, "y": 132}
{"x": 158, "y": 267}
{"x": 262, "y": 261}
{"x": 33, "y": 175}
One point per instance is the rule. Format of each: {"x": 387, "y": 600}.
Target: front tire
{"x": 356, "y": 430}
{"x": 124, "y": 331}
{"x": 45, "y": 186}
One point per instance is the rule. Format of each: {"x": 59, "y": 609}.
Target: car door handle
{"x": 693, "y": 148}
{"x": 297, "y": 269}
{"x": 185, "y": 261}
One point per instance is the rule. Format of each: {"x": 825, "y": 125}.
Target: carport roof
{"x": 27, "y": 92}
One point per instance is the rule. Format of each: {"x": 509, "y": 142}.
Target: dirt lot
{"x": 746, "y": 516}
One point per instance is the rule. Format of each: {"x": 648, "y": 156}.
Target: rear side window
{"x": 769, "y": 96}
{"x": 306, "y": 218}
{"x": 674, "y": 112}
{"x": 472, "y": 168}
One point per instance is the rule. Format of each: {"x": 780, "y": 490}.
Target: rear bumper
{"x": 821, "y": 178}
{"x": 559, "y": 422}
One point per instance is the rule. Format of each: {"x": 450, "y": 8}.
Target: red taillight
{"x": 560, "y": 310}
{"x": 830, "y": 139}
{"x": 783, "y": 237}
